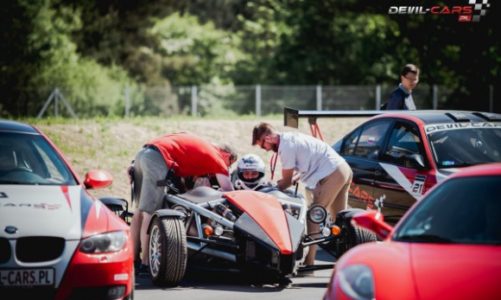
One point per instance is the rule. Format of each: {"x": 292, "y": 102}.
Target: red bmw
{"x": 56, "y": 240}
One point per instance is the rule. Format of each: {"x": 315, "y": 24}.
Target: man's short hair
{"x": 409, "y": 68}
{"x": 260, "y": 130}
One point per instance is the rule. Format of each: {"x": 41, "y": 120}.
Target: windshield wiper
{"x": 424, "y": 238}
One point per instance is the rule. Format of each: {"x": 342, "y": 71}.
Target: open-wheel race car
{"x": 256, "y": 232}
{"x": 253, "y": 231}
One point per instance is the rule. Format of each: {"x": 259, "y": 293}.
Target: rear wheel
{"x": 168, "y": 251}
{"x": 352, "y": 236}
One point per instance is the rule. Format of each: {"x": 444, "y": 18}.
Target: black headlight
{"x": 105, "y": 242}
{"x": 317, "y": 214}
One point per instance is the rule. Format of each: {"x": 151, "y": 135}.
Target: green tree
{"x": 462, "y": 56}
{"x": 336, "y": 43}
{"x": 194, "y": 53}
{"x": 53, "y": 61}
{"x": 262, "y": 28}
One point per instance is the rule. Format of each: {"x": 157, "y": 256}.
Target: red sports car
{"x": 56, "y": 240}
{"x": 448, "y": 246}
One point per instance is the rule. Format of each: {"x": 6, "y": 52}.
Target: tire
{"x": 168, "y": 251}
{"x": 352, "y": 236}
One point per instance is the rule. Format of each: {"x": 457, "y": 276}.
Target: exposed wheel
{"x": 352, "y": 236}
{"x": 168, "y": 251}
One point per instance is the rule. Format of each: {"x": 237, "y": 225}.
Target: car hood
{"x": 41, "y": 210}
{"x": 430, "y": 271}
{"x": 456, "y": 271}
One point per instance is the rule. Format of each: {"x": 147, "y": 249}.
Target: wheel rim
{"x": 155, "y": 254}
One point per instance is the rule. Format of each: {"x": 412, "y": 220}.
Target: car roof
{"x": 425, "y": 117}
{"x": 492, "y": 169}
{"x": 445, "y": 116}
{"x": 13, "y": 126}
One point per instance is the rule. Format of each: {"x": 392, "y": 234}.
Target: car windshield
{"x": 465, "y": 147}
{"x": 28, "y": 159}
{"x": 462, "y": 210}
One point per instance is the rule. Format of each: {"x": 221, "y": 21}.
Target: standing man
{"x": 319, "y": 167}
{"x": 187, "y": 155}
{"x": 401, "y": 97}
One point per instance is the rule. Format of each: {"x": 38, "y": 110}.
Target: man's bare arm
{"x": 286, "y": 180}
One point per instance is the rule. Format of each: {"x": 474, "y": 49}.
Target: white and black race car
{"x": 56, "y": 240}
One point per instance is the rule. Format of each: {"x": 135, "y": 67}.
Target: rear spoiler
{"x": 291, "y": 116}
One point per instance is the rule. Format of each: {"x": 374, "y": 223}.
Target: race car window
{"x": 350, "y": 143}
{"x": 371, "y": 139}
{"x": 465, "y": 146}
{"x": 404, "y": 147}
{"x": 29, "y": 159}
{"x": 462, "y": 210}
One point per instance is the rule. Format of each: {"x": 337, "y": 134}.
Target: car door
{"x": 361, "y": 149}
{"x": 402, "y": 171}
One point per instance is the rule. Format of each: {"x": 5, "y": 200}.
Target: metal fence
{"x": 263, "y": 100}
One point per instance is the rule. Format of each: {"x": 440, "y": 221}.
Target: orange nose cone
{"x": 335, "y": 230}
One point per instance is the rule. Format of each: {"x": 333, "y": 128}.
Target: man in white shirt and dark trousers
{"x": 320, "y": 168}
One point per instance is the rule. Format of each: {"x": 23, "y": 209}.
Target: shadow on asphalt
{"x": 233, "y": 280}
{"x": 215, "y": 279}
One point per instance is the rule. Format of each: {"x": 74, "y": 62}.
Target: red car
{"x": 448, "y": 246}
{"x": 56, "y": 240}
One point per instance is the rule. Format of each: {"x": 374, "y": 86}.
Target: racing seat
{"x": 201, "y": 194}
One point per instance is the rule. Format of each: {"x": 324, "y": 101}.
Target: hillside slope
{"x": 111, "y": 144}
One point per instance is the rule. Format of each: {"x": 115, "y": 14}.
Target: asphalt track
{"x": 226, "y": 285}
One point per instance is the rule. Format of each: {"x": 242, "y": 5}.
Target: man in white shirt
{"x": 319, "y": 167}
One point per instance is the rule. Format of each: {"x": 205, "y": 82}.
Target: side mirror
{"x": 373, "y": 221}
{"x": 119, "y": 206}
{"x": 96, "y": 179}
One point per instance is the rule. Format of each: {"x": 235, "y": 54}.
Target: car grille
{"x": 38, "y": 249}
{"x": 4, "y": 250}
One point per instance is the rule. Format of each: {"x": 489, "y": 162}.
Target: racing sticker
{"x": 359, "y": 193}
{"x": 418, "y": 184}
{"x": 379, "y": 202}
{"x": 453, "y": 126}
{"x": 415, "y": 188}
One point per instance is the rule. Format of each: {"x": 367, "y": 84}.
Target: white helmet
{"x": 249, "y": 162}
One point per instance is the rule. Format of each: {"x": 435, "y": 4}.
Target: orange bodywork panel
{"x": 267, "y": 212}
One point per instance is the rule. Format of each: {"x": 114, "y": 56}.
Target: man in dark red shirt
{"x": 189, "y": 156}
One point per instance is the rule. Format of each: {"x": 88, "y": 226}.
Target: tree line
{"x": 93, "y": 49}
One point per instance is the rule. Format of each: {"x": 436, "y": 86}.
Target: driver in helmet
{"x": 249, "y": 174}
